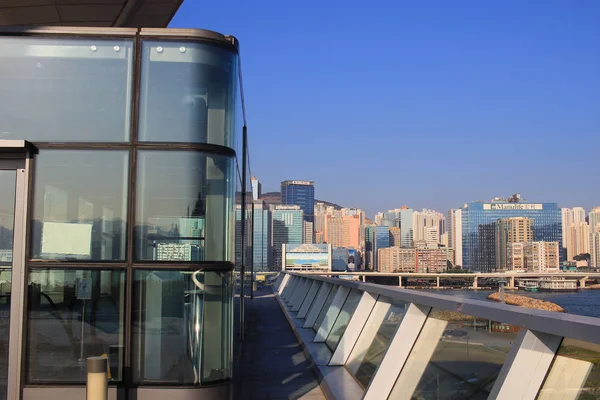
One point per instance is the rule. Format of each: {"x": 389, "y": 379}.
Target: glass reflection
{"x": 575, "y": 372}
{"x": 80, "y": 205}
{"x": 72, "y": 315}
{"x": 7, "y": 220}
{"x": 184, "y": 206}
{"x": 371, "y": 360}
{"x": 170, "y": 312}
{"x": 188, "y": 93}
{"x": 78, "y": 90}
{"x": 456, "y": 356}
{"x": 325, "y": 308}
{"x": 339, "y": 327}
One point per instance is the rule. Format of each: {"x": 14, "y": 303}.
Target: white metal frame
{"x": 522, "y": 375}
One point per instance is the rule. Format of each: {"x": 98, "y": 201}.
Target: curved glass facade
{"x": 131, "y": 233}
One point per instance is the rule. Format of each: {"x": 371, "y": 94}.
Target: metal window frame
{"x": 16, "y": 155}
{"x": 332, "y": 313}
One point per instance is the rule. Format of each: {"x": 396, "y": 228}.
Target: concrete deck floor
{"x": 273, "y": 366}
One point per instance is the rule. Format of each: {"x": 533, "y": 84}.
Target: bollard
{"x": 97, "y": 380}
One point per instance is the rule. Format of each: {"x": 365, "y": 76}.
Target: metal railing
{"x": 369, "y": 341}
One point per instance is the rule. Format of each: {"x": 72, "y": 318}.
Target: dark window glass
{"x": 182, "y": 327}
{"x": 184, "y": 202}
{"x": 65, "y": 89}
{"x": 72, "y": 315}
{"x": 188, "y": 93}
{"x": 80, "y": 205}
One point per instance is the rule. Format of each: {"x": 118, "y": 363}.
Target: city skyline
{"x": 393, "y": 205}
{"x": 441, "y": 103}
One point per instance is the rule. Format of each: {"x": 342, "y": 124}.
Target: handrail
{"x": 562, "y": 324}
{"x": 528, "y": 351}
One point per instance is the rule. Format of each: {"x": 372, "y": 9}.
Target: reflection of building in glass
{"x": 177, "y": 239}
{"x": 510, "y": 231}
{"x": 137, "y": 177}
{"x": 6, "y": 255}
{"x": 479, "y": 229}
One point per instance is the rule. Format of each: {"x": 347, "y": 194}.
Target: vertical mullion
{"x": 18, "y": 284}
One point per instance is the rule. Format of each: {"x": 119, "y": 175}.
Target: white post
{"x": 97, "y": 379}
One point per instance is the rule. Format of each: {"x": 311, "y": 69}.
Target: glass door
{"x": 15, "y": 160}
{"x": 8, "y": 181}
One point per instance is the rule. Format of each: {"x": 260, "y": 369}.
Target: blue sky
{"x": 426, "y": 103}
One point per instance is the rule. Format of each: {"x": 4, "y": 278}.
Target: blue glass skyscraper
{"x": 479, "y": 229}
{"x": 300, "y": 193}
{"x": 262, "y": 236}
{"x": 382, "y": 241}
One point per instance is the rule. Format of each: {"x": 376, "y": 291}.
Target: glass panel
{"x": 184, "y": 204}
{"x": 182, "y": 327}
{"x": 339, "y": 327}
{"x": 188, "y": 93}
{"x": 456, "y": 356}
{"x": 65, "y": 89}
{"x": 80, "y": 205}
{"x": 575, "y": 372}
{"x": 7, "y": 220}
{"x": 72, "y": 315}
{"x": 381, "y": 342}
{"x": 326, "y": 306}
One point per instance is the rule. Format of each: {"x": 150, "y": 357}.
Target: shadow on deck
{"x": 272, "y": 365}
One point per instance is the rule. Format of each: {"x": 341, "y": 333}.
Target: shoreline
{"x": 527, "y": 302}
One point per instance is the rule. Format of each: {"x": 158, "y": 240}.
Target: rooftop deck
{"x": 368, "y": 341}
{"x": 273, "y": 365}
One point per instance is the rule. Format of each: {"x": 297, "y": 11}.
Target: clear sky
{"x": 426, "y": 103}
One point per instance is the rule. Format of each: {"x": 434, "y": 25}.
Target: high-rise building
{"x": 594, "y": 218}
{"x": 262, "y": 236}
{"x": 595, "y": 247}
{"x": 479, "y": 228}
{"x": 427, "y": 219}
{"x": 516, "y": 257}
{"x": 542, "y": 256}
{"x": 406, "y": 227}
{"x": 509, "y": 231}
{"x": 381, "y": 241}
{"x": 455, "y": 236}
{"x": 369, "y": 246}
{"x": 395, "y": 236}
{"x": 308, "y": 233}
{"x": 288, "y": 228}
{"x": 300, "y": 193}
{"x": 578, "y": 239}
{"x": 256, "y": 188}
{"x": 432, "y": 236}
{"x": 569, "y": 217}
